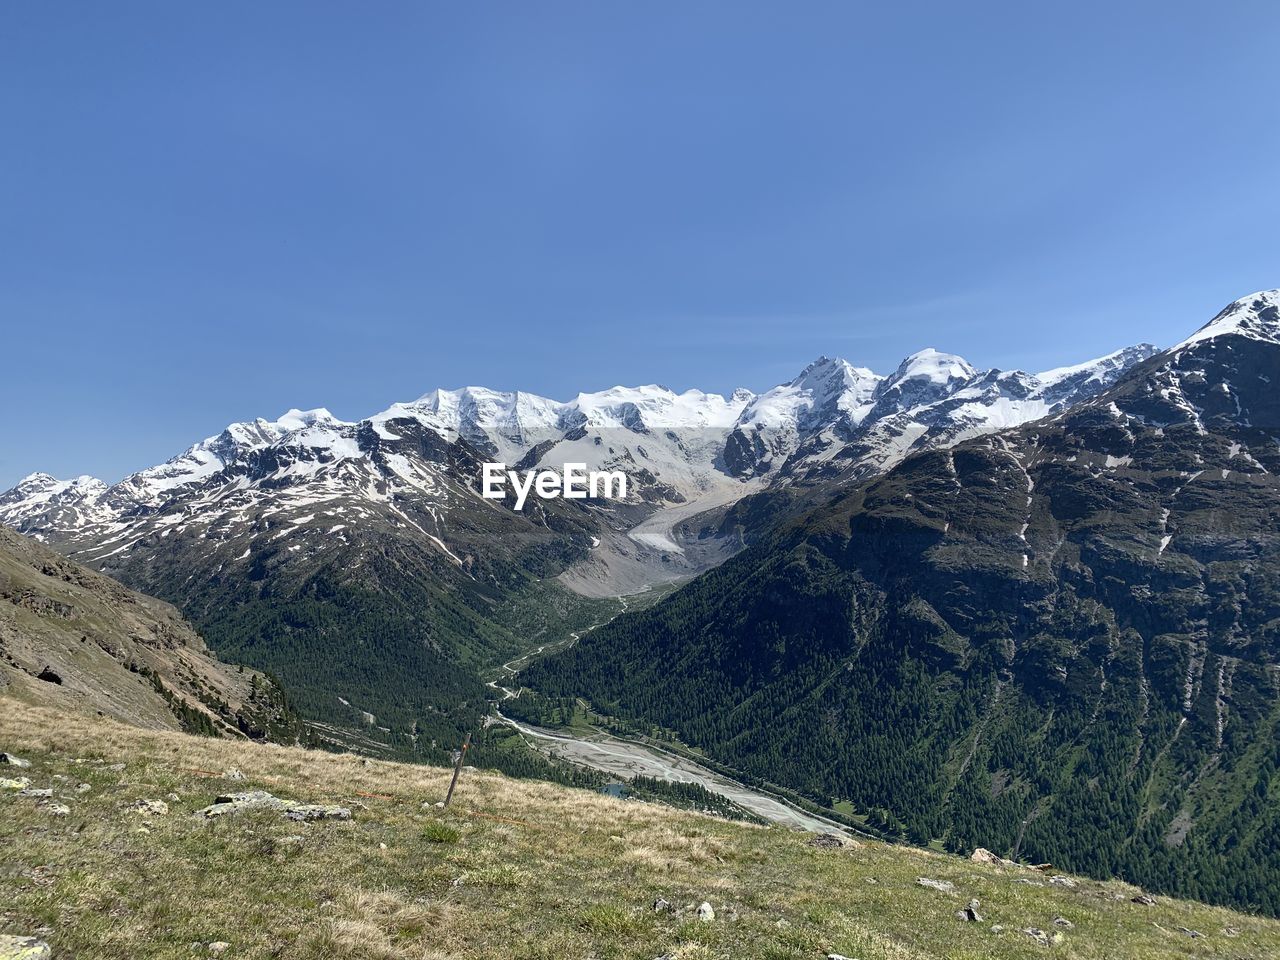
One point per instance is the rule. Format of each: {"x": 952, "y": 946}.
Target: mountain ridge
{"x": 1057, "y": 641}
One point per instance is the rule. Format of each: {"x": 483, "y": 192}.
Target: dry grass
{"x": 516, "y": 869}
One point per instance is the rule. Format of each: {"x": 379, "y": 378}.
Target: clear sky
{"x": 210, "y": 212}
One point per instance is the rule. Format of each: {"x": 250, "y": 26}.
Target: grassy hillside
{"x": 513, "y": 869}
{"x": 74, "y": 639}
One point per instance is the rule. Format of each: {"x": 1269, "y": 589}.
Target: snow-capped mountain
{"x": 836, "y": 420}
{"x": 312, "y": 483}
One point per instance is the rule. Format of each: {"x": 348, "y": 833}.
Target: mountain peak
{"x": 1256, "y": 316}
{"x": 38, "y": 479}
{"x": 934, "y": 366}
{"x": 295, "y": 419}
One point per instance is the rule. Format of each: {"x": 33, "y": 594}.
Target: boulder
{"x": 14, "y": 783}
{"x": 705, "y": 912}
{"x": 8, "y": 759}
{"x": 261, "y": 800}
{"x": 983, "y": 855}
{"x": 150, "y": 808}
{"x": 239, "y": 802}
{"x": 970, "y": 913}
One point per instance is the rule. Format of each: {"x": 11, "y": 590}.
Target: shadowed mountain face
{"x": 1061, "y": 642}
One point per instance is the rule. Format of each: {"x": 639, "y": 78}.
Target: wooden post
{"x": 457, "y": 768}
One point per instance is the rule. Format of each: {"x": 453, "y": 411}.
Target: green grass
{"x": 439, "y": 832}
{"x": 513, "y": 869}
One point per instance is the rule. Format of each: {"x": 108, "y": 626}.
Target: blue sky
{"x": 218, "y": 211}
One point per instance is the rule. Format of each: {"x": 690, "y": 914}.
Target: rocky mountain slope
{"x": 1057, "y": 641}
{"x": 74, "y": 639}
{"x": 511, "y": 869}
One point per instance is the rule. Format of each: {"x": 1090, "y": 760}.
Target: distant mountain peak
{"x": 934, "y": 366}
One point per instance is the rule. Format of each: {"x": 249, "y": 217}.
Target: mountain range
{"x": 412, "y": 466}
{"x": 358, "y": 563}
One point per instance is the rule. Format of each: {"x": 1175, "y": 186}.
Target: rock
{"x": 1193, "y": 934}
{"x": 261, "y": 800}
{"x": 150, "y": 808}
{"x": 1061, "y": 881}
{"x": 827, "y": 841}
{"x": 55, "y": 809}
{"x": 946, "y": 886}
{"x": 1038, "y": 935}
{"x": 36, "y": 792}
{"x": 1231, "y": 931}
{"x": 117, "y": 767}
{"x": 983, "y": 855}
{"x": 838, "y": 956}
{"x": 233, "y": 773}
{"x": 997, "y": 928}
{"x": 705, "y": 913}
{"x": 218, "y": 947}
{"x": 83, "y": 788}
{"x": 8, "y": 759}
{"x": 1029, "y": 882}
{"x": 1143, "y": 900}
{"x": 238, "y": 802}
{"x": 172, "y": 797}
{"x": 14, "y": 783}
{"x": 49, "y": 675}
{"x": 23, "y": 948}
{"x": 1063, "y": 922}
{"x": 970, "y": 913}
{"x": 317, "y": 811}
{"x": 663, "y": 906}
